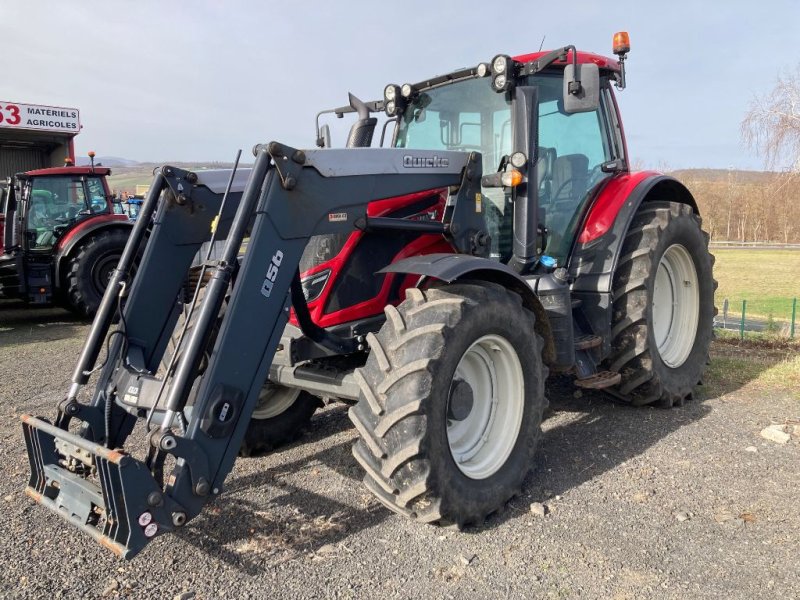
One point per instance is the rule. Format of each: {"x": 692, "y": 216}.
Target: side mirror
{"x": 581, "y": 88}
{"x": 324, "y": 136}
{"x": 362, "y": 130}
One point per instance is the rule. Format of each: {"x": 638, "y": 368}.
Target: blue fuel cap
{"x": 548, "y": 262}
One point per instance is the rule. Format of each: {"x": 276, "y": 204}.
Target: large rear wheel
{"x": 90, "y": 269}
{"x": 663, "y": 306}
{"x": 451, "y": 403}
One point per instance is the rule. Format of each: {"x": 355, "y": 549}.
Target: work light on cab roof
{"x": 393, "y": 100}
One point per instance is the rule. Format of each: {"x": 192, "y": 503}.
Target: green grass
{"x": 761, "y": 368}
{"x": 127, "y": 178}
{"x": 767, "y": 279}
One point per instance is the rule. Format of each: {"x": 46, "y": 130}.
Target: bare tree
{"x": 772, "y": 123}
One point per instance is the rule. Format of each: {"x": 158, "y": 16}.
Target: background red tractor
{"x": 60, "y": 235}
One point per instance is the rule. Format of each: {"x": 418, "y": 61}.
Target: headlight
{"x": 500, "y": 64}
{"x": 503, "y": 73}
{"x": 390, "y": 92}
{"x": 391, "y": 108}
{"x": 518, "y": 159}
{"x": 314, "y": 285}
{"x": 407, "y": 90}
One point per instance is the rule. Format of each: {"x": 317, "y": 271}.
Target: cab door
{"x": 577, "y": 155}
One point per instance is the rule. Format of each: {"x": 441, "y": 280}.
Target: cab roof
{"x": 603, "y": 62}
{"x": 69, "y": 171}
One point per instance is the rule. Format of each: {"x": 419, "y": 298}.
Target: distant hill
{"x": 125, "y": 178}
{"x": 106, "y": 161}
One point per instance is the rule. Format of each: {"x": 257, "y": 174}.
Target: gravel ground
{"x": 640, "y": 503}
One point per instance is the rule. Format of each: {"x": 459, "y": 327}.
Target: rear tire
{"x": 451, "y": 404}
{"x": 663, "y": 308}
{"x": 91, "y": 268}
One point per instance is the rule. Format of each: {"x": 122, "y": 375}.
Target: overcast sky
{"x": 184, "y": 81}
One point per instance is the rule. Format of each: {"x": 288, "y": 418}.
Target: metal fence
{"x": 780, "y": 322}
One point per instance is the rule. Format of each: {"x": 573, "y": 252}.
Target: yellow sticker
{"x": 214, "y": 223}
{"x": 478, "y": 202}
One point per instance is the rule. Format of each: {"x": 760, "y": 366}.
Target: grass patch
{"x": 758, "y": 339}
{"x": 767, "y": 279}
{"x": 755, "y": 365}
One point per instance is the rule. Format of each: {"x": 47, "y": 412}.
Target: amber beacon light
{"x": 622, "y": 43}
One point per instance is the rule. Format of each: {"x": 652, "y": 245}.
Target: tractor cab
{"x": 499, "y": 109}
{"x": 52, "y": 204}
{"x": 546, "y": 126}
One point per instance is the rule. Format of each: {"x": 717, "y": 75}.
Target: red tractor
{"x": 433, "y": 285}
{"x": 61, "y": 237}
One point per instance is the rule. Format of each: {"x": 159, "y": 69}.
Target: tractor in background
{"x": 61, "y": 236}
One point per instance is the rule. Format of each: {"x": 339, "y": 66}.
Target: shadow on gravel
{"x": 252, "y": 538}
{"x": 22, "y": 324}
{"x": 593, "y": 435}
{"x": 584, "y": 437}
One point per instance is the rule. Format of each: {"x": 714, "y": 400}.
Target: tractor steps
{"x": 599, "y": 381}
{"x": 584, "y": 342}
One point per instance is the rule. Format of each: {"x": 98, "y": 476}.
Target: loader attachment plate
{"x": 106, "y": 493}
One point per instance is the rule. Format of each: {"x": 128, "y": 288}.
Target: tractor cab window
{"x": 97, "y": 194}
{"x": 463, "y": 117}
{"x": 572, "y": 150}
{"x": 56, "y": 202}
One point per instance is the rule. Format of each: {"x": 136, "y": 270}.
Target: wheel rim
{"x": 102, "y": 271}
{"x": 676, "y": 306}
{"x": 274, "y": 400}
{"x": 484, "y": 419}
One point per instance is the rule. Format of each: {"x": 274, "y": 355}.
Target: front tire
{"x": 281, "y": 415}
{"x": 663, "y": 308}
{"x": 451, "y": 404}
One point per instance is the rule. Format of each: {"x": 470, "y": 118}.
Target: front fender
{"x": 453, "y": 267}
{"x": 77, "y": 235}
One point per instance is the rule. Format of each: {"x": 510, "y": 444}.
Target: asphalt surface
{"x": 641, "y": 503}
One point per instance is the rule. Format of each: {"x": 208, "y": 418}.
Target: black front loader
{"x": 80, "y": 467}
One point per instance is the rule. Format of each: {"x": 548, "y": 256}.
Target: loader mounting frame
{"x": 84, "y": 474}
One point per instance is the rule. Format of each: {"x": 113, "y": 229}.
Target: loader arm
{"x": 87, "y": 474}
